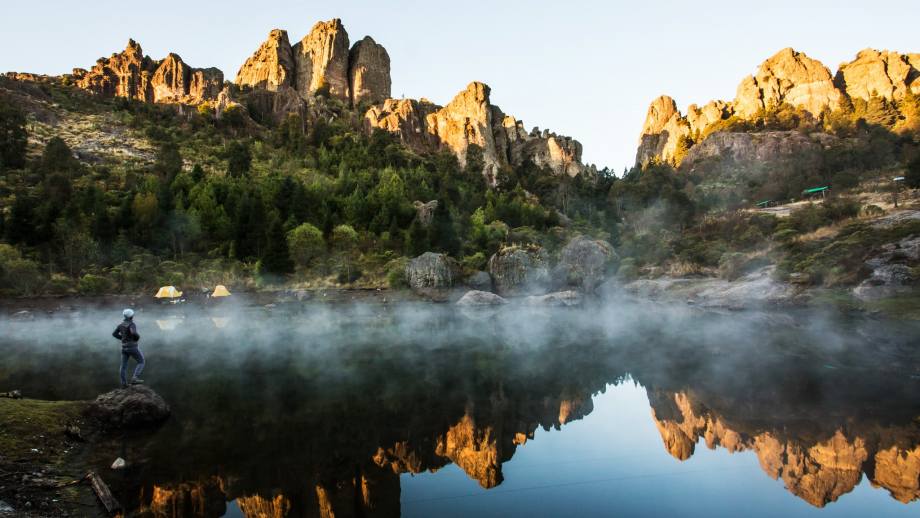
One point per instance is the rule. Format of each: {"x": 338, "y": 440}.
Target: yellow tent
{"x": 220, "y": 291}
{"x": 168, "y": 292}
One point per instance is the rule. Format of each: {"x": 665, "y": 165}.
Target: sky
{"x": 587, "y": 69}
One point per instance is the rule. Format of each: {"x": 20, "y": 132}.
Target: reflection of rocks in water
{"x": 475, "y": 450}
{"x": 204, "y": 499}
{"x": 898, "y": 471}
{"x": 257, "y": 506}
{"x": 816, "y": 466}
{"x": 372, "y": 492}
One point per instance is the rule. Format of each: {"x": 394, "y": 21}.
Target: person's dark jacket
{"x": 127, "y": 333}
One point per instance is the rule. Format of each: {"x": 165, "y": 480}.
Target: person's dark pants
{"x": 126, "y": 354}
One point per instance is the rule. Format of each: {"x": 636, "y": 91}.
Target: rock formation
{"x": 788, "y": 77}
{"x": 886, "y": 74}
{"x": 321, "y": 62}
{"x": 471, "y": 120}
{"x": 271, "y": 66}
{"x": 582, "y": 263}
{"x": 368, "y": 72}
{"x": 133, "y": 75}
{"x": 131, "y": 407}
{"x": 664, "y": 127}
{"x": 431, "y": 272}
{"x": 519, "y": 270}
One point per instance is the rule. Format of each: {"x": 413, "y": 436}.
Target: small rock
{"x": 6, "y": 508}
{"x": 73, "y": 431}
{"x": 119, "y": 463}
{"x": 23, "y": 315}
{"x": 479, "y": 281}
{"x": 13, "y": 394}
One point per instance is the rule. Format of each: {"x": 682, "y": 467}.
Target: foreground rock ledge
{"x": 132, "y": 407}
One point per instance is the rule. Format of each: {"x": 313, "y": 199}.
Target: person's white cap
{"x": 128, "y": 313}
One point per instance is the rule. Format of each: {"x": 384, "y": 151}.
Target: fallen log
{"x": 102, "y": 491}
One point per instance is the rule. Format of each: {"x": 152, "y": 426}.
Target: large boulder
{"x": 481, "y": 298}
{"x": 132, "y": 407}
{"x": 519, "y": 270}
{"x": 432, "y": 271}
{"x": 583, "y": 263}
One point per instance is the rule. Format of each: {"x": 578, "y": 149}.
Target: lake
{"x": 415, "y": 409}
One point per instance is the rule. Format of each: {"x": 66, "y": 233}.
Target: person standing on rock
{"x": 127, "y": 333}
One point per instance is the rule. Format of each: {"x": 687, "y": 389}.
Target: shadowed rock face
{"x": 133, "y": 75}
{"x": 519, "y": 270}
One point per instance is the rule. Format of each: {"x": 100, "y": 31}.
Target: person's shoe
{"x": 137, "y": 381}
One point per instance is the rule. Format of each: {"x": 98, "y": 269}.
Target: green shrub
{"x": 475, "y": 262}
{"x": 396, "y": 273}
{"x": 628, "y": 271}
{"x": 93, "y": 285}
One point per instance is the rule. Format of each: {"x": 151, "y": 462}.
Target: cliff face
{"x": 788, "y": 77}
{"x": 271, "y": 66}
{"x": 133, "y": 75}
{"x": 884, "y": 73}
{"x": 470, "y": 119}
{"x": 368, "y": 72}
{"x": 321, "y": 62}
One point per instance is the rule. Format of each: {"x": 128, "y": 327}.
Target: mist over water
{"x": 387, "y": 409}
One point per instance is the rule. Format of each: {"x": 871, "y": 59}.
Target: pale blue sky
{"x": 582, "y": 68}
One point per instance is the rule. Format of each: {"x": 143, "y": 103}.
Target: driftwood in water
{"x": 102, "y": 491}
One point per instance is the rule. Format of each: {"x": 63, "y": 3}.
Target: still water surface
{"x": 419, "y": 410}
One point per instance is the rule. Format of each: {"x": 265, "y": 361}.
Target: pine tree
{"x": 277, "y": 257}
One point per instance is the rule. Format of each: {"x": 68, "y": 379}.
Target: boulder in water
{"x": 557, "y": 299}
{"x": 583, "y": 263}
{"x": 131, "y": 407}
{"x": 519, "y": 270}
{"x": 480, "y": 298}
